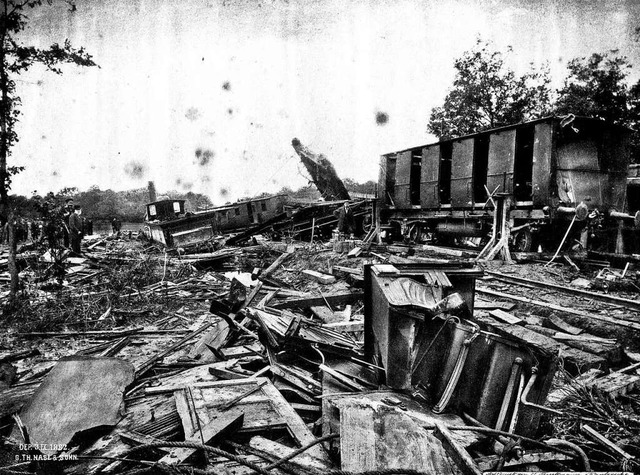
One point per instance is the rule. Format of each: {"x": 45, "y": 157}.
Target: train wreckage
{"x": 297, "y": 354}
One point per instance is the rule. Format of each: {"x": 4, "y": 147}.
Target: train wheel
{"x": 523, "y": 241}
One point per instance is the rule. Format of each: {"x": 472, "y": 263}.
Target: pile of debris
{"x": 305, "y": 358}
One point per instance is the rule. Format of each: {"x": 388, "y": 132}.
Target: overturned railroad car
{"x": 551, "y": 173}
{"x": 168, "y": 223}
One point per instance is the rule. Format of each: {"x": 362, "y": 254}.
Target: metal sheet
{"x": 80, "y": 393}
{"x": 429, "y": 177}
{"x": 461, "y": 173}
{"x": 502, "y": 147}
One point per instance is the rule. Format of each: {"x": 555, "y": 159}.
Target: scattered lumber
{"x": 628, "y": 303}
{"x": 615, "y": 321}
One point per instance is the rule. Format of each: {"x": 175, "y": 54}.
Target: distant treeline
{"x": 104, "y": 205}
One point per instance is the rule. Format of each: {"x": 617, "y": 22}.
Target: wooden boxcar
{"x": 168, "y": 223}
{"x": 549, "y": 170}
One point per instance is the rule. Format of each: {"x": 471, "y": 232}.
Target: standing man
{"x": 75, "y": 230}
{"x": 67, "y": 211}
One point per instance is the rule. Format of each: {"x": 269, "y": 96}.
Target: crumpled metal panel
{"x": 80, "y": 393}
{"x": 403, "y": 292}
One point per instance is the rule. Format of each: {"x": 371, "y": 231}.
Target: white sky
{"x": 316, "y": 70}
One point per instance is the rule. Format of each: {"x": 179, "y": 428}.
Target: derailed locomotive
{"x": 551, "y": 173}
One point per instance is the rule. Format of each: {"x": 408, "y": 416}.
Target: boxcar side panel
{"x": 382, "y": 180}
{"x": 579, "y": 176}
{"x": 542, "y": 164}
{"x": 403, "y": 179}
{"x": 462, "y": 173}
{"x": 387, "y": 179}
{"x": 615, "y": 152}
{"x": 429, "y": 177}
{"x": 502, "y": 147}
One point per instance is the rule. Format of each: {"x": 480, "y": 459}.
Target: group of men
{"x": 24, "y": 230}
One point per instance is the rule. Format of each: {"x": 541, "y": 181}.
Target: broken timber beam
{"x": 277, "y": 263}
{"x": 459, "y": 455}
{"x": 559, "y": 308}
{"x": 154, "y": 359}
{"x": 338, "y": 298}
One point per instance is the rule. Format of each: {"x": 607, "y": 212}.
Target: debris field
{"x": 320, "y": 357}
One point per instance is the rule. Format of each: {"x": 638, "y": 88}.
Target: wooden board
{"x": 563, "y": 326}
{"x": 337, "y": 298}
{"x": 506, "y": 317}
{"x": 318, "y": 276}
{"x": 483, "y": 305}
{"x": 214, "y": 338}
{"x": 379, "y": 439}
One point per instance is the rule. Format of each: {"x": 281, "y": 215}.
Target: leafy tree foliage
{"x": 486, "y": 94}
{"x": 15, "y": 59}
{"x": 597, "y": 86}
{"x": 129, "y": 205}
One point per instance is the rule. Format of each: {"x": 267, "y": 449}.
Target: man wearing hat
{"x": 75, "y": 230}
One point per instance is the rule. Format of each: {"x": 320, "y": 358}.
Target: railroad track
{"x": 584, "y": 304}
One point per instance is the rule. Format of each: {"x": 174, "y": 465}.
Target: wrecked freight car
{"x": 555, "y": 175}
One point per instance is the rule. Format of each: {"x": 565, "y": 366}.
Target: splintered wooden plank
{"x": 214, "y": 338}
{"x": 379, "y": 439}
{"x": 336, "y": 298}
{"x": 461, "y": 457}
{"x": 296, "y": 426}
{"x": 318, "y": 276}
{"x": 263, "y": 410}
{"x": 563, "y": 326}
{"x": 506, "y": 317}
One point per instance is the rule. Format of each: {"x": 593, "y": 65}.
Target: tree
{"x": 487, "y": 94}
{"x": 15, "y": 59}
{"x": 597, "y": 86}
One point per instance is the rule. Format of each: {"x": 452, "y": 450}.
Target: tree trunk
{"x": 13, "y": 268}
{"x": 322, "y": 173}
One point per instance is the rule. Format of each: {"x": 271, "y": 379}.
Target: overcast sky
{"x": 206, "y": 95}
